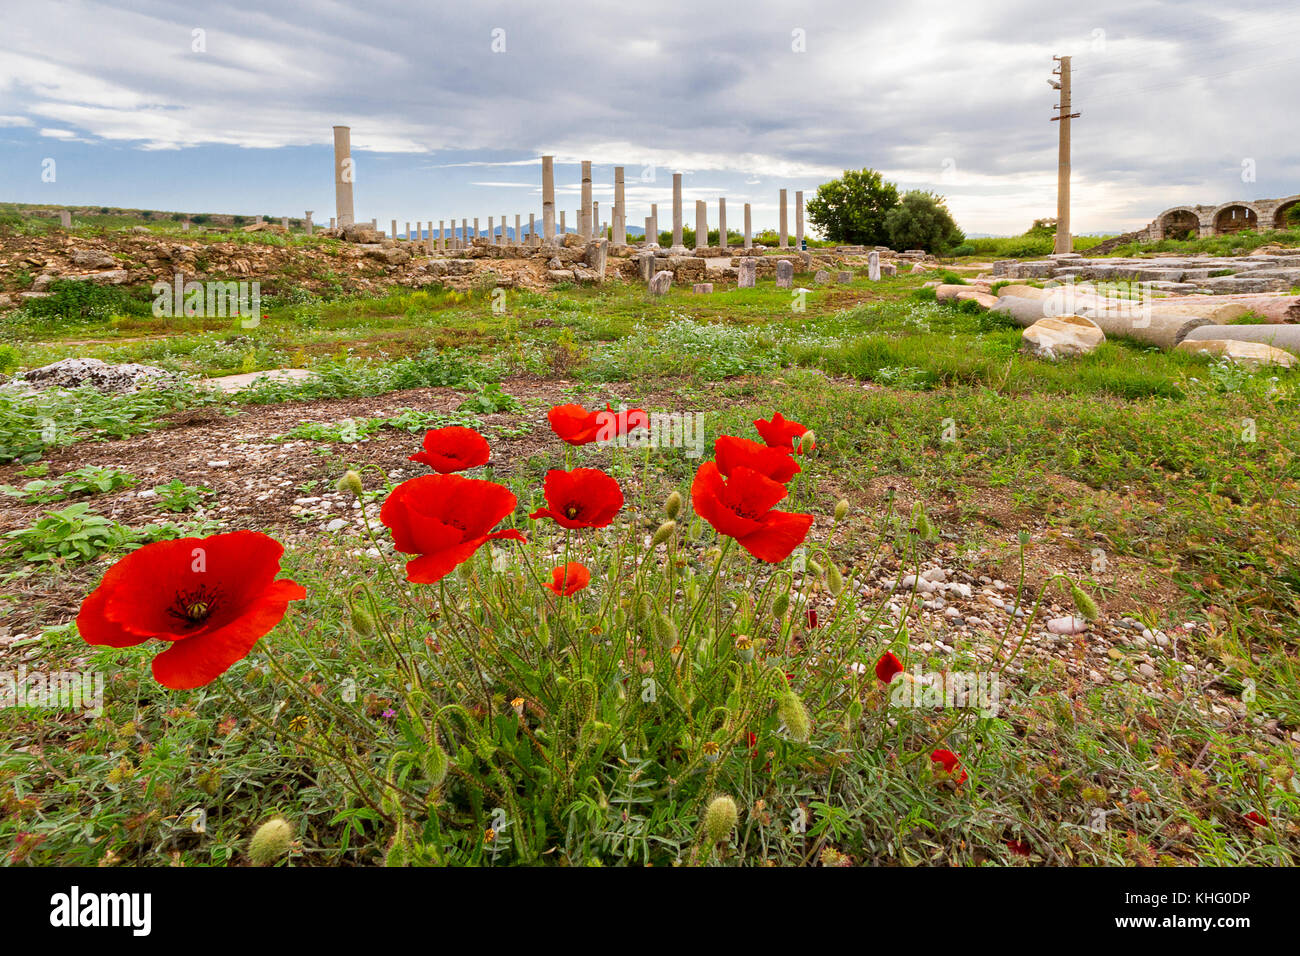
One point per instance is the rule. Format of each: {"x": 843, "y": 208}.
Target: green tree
{"x": 852, "y": 209}
{"x": 922, "y": 221}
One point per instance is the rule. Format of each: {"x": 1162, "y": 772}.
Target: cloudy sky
{"x": 228, "y": 106}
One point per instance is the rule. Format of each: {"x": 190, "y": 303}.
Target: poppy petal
{"x": 199, "y": 660}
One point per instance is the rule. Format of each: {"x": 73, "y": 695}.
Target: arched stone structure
{"x": 1284, "y": 207}
{"x": 1235, "y": 217}
{"x": 1179, "y": 223}
{"x": 1176, "y": 221}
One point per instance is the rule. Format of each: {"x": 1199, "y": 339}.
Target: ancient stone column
{"x": 343, "y": 175}
{"x": 517, "y": 239}
{"x": 548, "y": 197}
{"x": 748, "y": 272}
{"x": 596, "y": 254}
{"x": 785, "y": 232}
{"x": 701, "y": 224}
{"x": 653, "y": 237}
{"x": 784, "y": 274}
{"x": 492, "y": 236}
{"x": 722, "y": 223}
{"x": 393, "y": 234}
{"x": 65, "y": 219}
{"x": 532, "y": 228}
{"x": 595, "y": 221}
{"x": 476, "y": 233}
{"x": 442, "y": 234}
{"x": 563, "y": 227}
{"x": 798, "y": 218}
{"x": 620, "y": 209}
{"x": 648, "y": 241}
{"x": 309, "y": 223}
{"x": 749, "y": 232}
{"x": 408, "y": 231}
{"x": 284, "y": 223}
{"x": 677, "y": 214}
{"x": 585, "y": 222}
{"x": 873, "y": 266}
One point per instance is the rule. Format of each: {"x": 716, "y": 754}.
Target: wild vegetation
{"x": 486, "y": 719}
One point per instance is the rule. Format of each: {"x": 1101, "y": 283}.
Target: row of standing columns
{"x": 588, "y": 221}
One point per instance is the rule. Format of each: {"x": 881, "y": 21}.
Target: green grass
{"x": 1170, "y": 463}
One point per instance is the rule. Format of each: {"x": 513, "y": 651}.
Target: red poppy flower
{"x": 887, "y": 667}
{"x": 453, "y": 449}
{"x": 582, "y": 498}
{"x": 781, "y": 432}
{"x": 568, "y": 580}
{"x": 950, "y": 763}
{"x": 610, "y": 424}
{"x": 811, "y": 618}
{"x": 1018, "y": 847}
{"x": 212, "y": 598}
{"x": 741, "y": 507}
{"x": 731, "y": 453}
{"x": 577, "y": 426}
{"x": 444, "y": 519}
{"x": 1256, "y": 819}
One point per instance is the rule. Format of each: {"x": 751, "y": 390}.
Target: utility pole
{"x": 1063, "y": 240}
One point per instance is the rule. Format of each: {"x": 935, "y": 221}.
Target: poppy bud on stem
{"x": 720, "y": 819}
{"x": 673, "y": 505}
{"x": 834, "y": 580}
{"x": 270, "y": 842}
{"x": 350, "y": 483}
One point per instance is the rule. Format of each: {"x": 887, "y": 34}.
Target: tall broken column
{"x": 620, "y": 209}
{"x": 722, "y": 223}
{"x": 585, "y": 225}
{"x": 595, "y": 221}
{"x": 677, "y": 214}
{"x": 442, "y": 236}
{"x": 548, "y": 197}
{"x": 653, "y": 237}
{"x": 798, "y": 219}
{"x": 785, "y": 231}
{"x": 701, "y": 224}
{"x": 343, "y": 176}
{"x": 563, "y": 227}
{"x": 749, "y": 229}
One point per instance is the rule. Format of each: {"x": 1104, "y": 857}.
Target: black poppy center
{"x": 192, "y": 608}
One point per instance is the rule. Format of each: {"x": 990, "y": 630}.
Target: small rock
{"x": 1067, "y": 625}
